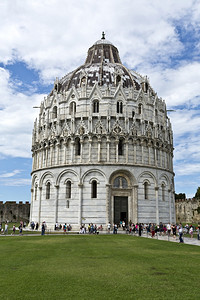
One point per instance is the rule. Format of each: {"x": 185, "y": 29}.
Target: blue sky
{"x": 39, "y": 42}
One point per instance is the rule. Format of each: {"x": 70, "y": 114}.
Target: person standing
{"x": 109, "y": 227}
{"x": 198, "y": 232}
{"x": 14, "y": 228}
{"x": 180, "y": 232}
{"x": 140, "y": 229}
{"x": 6, "y": 228}
{"x": 191, "y": 231}
{"x": 43, "y": 229}
{"x": 168, "y": 229}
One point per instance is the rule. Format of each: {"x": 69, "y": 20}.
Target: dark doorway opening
{"x": 120, "y": 209}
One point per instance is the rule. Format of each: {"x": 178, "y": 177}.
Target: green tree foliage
{"x": 180, "y": 196}
{"x": 197, "y": 195}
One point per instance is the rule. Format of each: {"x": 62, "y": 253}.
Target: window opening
{"x": 119, "y": 107}
{"x": 120, "y": 182}
{"x": 94, "y": 189}
{"x": 68, "y": 189}
{"x": 163, "y": 192}
{"x": 120, "y": 147}
{"x": 118, "y": 80}
{"x": 48, "y": 190}
{"x": 36, "y": 192}
{"x": 55, "y": 112}
{"x": 78, "y": 146}
{"x": 72, "y": 108}
{"x": 140, "y": 109}
{"x": 146, "y": 190}
{"x": 95, "y": 106}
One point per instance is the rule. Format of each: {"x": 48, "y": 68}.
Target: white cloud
{"x": 16, "y": 118}
{"x": 11, "y": 174}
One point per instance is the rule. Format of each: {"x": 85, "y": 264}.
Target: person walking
{"x": 180, "y": 232}
{"x": 14, "y": 228}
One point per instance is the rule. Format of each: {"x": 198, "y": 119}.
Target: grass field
{"x": 97, "y": 267}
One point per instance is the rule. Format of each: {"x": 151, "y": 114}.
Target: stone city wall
{"x": 188, "y": 210}
{"x": 14, "y": 212}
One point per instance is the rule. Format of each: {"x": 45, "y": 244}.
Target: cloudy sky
{"x": 42, "y": 40}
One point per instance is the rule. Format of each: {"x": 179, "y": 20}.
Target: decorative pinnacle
{"x": 103, "y": 35}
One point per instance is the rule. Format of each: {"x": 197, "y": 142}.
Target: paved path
{"x": 190, "y": 241}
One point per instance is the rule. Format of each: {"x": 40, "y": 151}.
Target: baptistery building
{"x": 102, "y": 147}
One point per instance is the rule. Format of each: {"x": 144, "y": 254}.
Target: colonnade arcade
{"x": 121, "y": 191}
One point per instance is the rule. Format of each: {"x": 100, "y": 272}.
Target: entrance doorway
{"x": 120, "y": 209}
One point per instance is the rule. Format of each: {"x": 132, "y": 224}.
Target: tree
{"x": 180, "y": 196}
{"x": 197, "y": 195}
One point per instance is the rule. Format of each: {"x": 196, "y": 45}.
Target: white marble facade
{"x": 102, "y": 147}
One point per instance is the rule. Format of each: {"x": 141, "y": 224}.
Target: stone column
{"x": 39, "y": 206}
{"x": 47, "y": 151}
{"x": 99, "y": 149}
{"x": 72, "y": 151}
{"x": 149, "y": 149}
{"x": 65, "y": 152}
{"x": 116, "y": 149}
{"x": 90, "y": 149}
{"x": 108, "y": 204}
{"x": 126, "y": 143}
{"x": 108, "y": 149}
{"x": 80, "y": 204}
{"x": 51, "y": 154}
{"x": 142, "y": 146}
{"x": 41, "y": 156}
{"x": 170, "y": 206}
{"x": 57, "y": 153}
{"x": 31, "y": 207}
{"x": 56, "y": 204}
{"x": 135, "y": 153}
{"x": 155, "y": 156}
{"x": 135, "y": 203}
{"x": 81, "y": 152}
{"x": 157, "y": 205}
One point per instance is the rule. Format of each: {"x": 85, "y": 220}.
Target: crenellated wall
{"x": 188, "y": 210}
{"x": 14, "y": 212}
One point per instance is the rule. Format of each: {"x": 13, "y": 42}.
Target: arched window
{"x": 48, "y": 190}
{"x": 95, "y": 106}
{"x": 118, "y": 79}
{"x": 94, "y": 189}
{"x": 163, "y": 192}
{"x": 120, "y": 182}
{"x": 68, "y": 189}
{"x": 133, "y": 113}
{"x": 72, "y": 108}
{"x": 77, "y": 146}
{"x": 146, "y": 190}
{"x": 140, "y": 109}
{"x": 83, "y": 81}
{"x": 119, "y": 107}
{"x": 55, "y": 112}
{"x": 36, "y": 191}
{"x": 120, "y": 147}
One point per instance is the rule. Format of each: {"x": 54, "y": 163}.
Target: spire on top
{"x": 103, "y": 35}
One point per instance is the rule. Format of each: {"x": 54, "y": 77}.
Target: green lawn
{"x": 97, "y": 267}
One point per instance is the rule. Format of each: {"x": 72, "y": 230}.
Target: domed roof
{"x": 102, "y": 66}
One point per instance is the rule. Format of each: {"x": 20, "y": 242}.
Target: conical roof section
{"x": 102, "y": 66}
